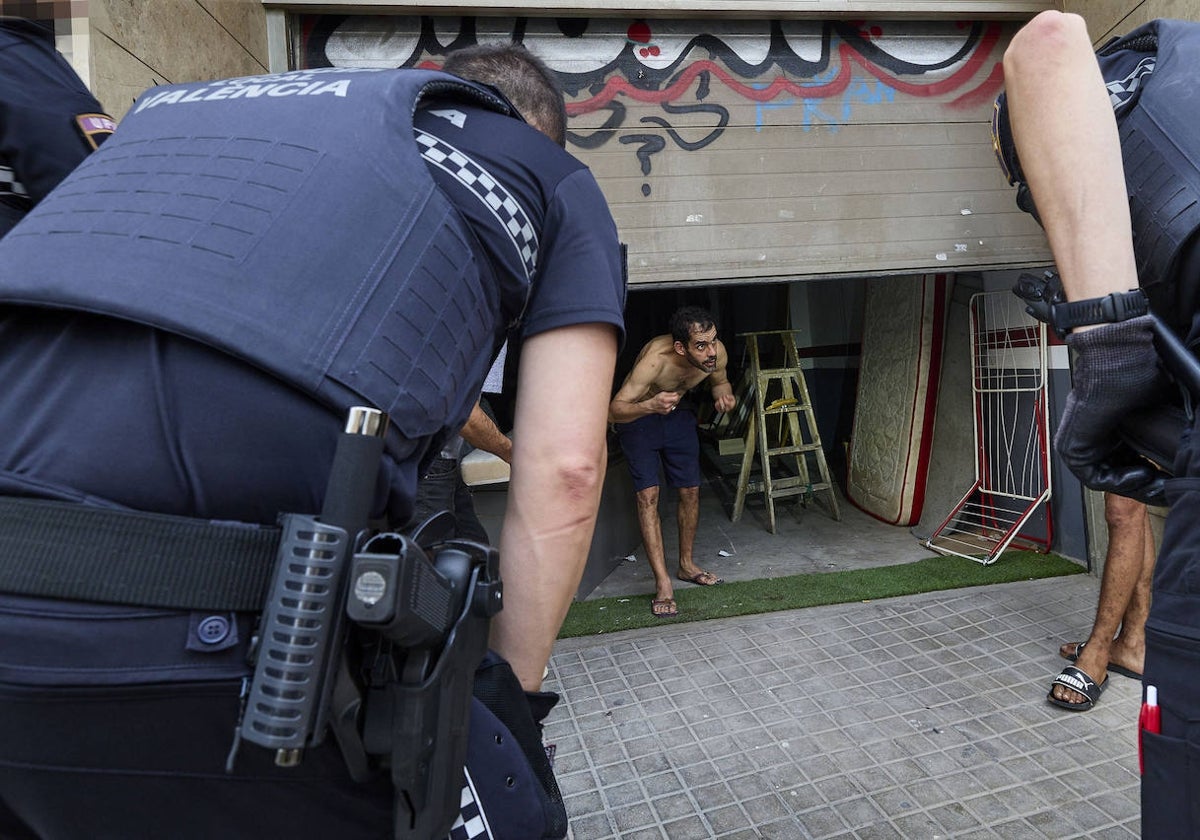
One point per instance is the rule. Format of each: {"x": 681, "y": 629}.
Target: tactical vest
{"x": 1151, "y": 77}
{"x": 289, "y": 221}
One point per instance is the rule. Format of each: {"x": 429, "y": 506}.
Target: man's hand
{"x": 724, "y": 403}
{"x": 663, "y": 402}
{"x": 1116, "y": 373}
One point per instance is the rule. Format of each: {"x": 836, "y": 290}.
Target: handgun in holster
{"x": 374, "y": 636}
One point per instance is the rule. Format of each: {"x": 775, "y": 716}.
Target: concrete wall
{"x": 135, "y": 44}
{"x": 1107, "y": 18}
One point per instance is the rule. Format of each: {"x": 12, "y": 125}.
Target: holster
{"x": 376, "y": 638}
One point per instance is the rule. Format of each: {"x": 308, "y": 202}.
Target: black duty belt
{"x": 64, "y": 550}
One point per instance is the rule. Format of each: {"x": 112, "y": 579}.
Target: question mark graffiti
{"x": 825, "y": 69}
{"x": 651, "y": 143}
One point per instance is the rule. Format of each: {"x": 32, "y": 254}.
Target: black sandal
{"x": 1078, "y": 681}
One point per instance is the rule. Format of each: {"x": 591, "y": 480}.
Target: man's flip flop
{"x": 1112, "y": 666}
{"x": 702, "y": 578}
{"x": 1078, "y": 681}
{"x": 667, "y": 605}
{"x": 1124, "y": 672}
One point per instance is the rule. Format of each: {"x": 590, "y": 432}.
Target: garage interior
{"x": 807, "y": 536}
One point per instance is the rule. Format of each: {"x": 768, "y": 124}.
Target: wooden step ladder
{"x": 783, "y": 393}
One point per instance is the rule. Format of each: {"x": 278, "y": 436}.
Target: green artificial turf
{"x": 697, "y": 603}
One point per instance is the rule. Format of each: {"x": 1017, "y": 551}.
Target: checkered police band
{"x": 493, "y": 194}
{"x": 472, "y": 823}
{"x": 1121, "y": 91}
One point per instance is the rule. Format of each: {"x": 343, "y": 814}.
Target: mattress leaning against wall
{"x": 903, "y": 326}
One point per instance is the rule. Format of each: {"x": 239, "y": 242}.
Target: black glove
{"x": 1116, "y": 374}
{"x": 1155, "y": 432}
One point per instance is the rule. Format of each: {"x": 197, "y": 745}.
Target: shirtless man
{"x": 650, "y": 429}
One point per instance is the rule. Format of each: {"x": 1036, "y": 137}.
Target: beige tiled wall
{"x": 135, "y": 44}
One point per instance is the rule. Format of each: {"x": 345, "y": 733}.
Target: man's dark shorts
{"x": 671, "y": 438}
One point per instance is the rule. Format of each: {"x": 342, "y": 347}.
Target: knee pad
{"x": 510, "y": 791}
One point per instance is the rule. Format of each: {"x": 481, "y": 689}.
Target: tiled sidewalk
{"x": 914, "y": 717}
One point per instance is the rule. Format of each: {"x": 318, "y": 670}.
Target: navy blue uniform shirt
{"x": 49, "y": 121}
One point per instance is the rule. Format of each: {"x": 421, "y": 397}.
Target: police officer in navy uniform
{"x": 49, "y": 121}
{"x": 1109, "y": 157}
{"x": 186, "y": 321}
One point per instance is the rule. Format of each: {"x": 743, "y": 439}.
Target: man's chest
{"x": 681, "y": 381}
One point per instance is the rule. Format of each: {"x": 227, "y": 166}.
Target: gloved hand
{"x": 1116, "y": 373}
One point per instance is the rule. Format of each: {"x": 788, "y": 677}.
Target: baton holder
{"x": 297, "y": 626}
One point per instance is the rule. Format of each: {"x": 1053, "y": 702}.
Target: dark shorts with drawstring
{"x": 667, "y": 439}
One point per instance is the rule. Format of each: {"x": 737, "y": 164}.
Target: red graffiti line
{"x": 988, "y": 90}
{"x": 619, "y": 86}
{"x": 986, "y": 44}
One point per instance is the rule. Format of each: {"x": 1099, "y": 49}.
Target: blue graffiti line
{"x": 811, "y": 112}
{"x": 761, "y": 108}
{"x": 860, "y": 92}
{"x": 813, "y": 115}
{"x": 865, "y": 92}
{"x": 823, "y": 78}
{"x": 810, "y": 108}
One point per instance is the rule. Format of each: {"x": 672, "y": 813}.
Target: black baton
{"x": 302, "y": 626}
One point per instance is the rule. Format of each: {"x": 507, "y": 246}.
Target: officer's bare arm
{"x": 1067, "y": 141}
{"x": 559, "y": 461}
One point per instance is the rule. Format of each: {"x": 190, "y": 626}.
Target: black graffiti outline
{"x": 779, "y": 55}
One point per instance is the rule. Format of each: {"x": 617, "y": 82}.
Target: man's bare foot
{"x": 700, "y": 577}
{"x": 1122, "y": 658}
{"x": 1125, "y": 660}
{"x": 1070, "y": 650}
{"x": 664, "y": 607}
{"x": 1090, "y": 659}
{"x": 1082, "y": 689}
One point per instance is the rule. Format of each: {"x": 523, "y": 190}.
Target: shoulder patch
{"x": 95, "y": 128}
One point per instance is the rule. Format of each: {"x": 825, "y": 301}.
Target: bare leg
{"x": 1124, "y": 570}
{"x": 648, "y": 521}
{"x": 1129, "y": 649}
{"x": 689, "y": 517}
